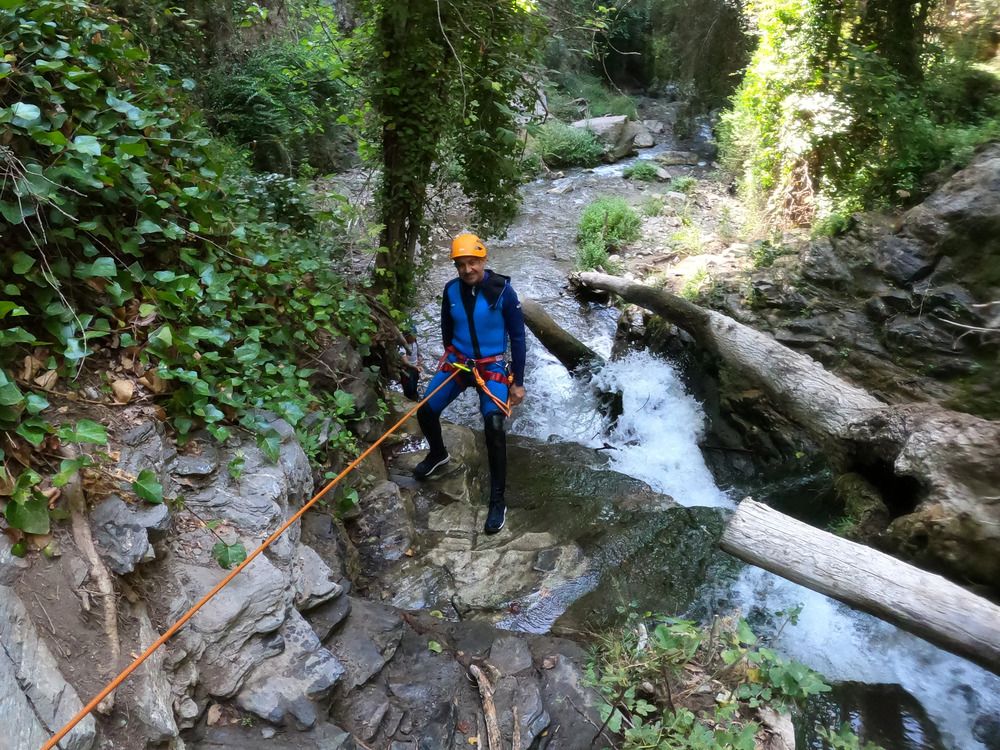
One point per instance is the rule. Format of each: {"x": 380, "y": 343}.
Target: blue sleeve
{"x": 447, "y": 324}
{"x": 513, "y": 318}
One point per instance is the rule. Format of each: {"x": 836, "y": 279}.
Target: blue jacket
{"x": 478, "y": 320}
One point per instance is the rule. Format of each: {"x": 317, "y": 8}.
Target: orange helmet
{"x": 466, "y": 245}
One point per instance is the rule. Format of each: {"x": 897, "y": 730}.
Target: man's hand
{"x": 516, "y": 394}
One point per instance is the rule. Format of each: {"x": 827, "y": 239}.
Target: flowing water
{"x": 656, "y": 440}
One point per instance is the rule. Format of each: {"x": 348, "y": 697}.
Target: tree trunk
{"x": 576, "y": 356}
{"x": 942, "y": 465}
{"x": 917, "y": 601}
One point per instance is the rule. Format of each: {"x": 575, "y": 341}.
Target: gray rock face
{"x": 384, "y": 528}
{"x": 366, "y": 642}
{"x": 321, "y": 737}
{"x": 614, "y": 132}
{"x": 152, "y": 690}
{"x": 510, "y": 655}
{"x": 676, "y": 158}
{"x": 35, "y": 700}
{"x": 121, "y": 532}
{"x": 10, "y": 566}
{"x": 287, "y": 687}
{"x": 314, "y": 582}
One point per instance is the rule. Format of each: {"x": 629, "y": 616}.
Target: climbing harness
{"x": 477, "y": 368}
{"x": 231, "y": 575}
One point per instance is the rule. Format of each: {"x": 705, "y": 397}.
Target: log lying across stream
{"x": 575, "y": 356}
{"x": 923, "y": 603}
{"x": 948, "y": 461}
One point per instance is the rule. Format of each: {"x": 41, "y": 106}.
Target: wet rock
{"x": 641, "y": 137}
{"x": 525, "y": 694}
{"x": 677, "y": 158}
{"x": 289, "y": 686}
{"x": 313, "y": 580}
{"x": 821, "y": 263}
{"x": 510, "y": 655}
{"x": 35, "y": 700}
{"x": 323, "y": 535}
{"x": 326, "y": 617}
{"x": 366, "y": 642}
{"x": 384, "y": 528}
{"x": 903, "y": 259}
{"x": 571, "y": 704}
{"x": 986, "y": 729}
{"x": 656, "y": 127}
{"x": 615, "y": 132}
{"x": 464, "y": 477}
{"x": 863, "y": 504}
{"x": 121, "y": 532}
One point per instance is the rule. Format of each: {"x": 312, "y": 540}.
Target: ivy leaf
{"x": 745, "y": 634}
{"x": 147, "y": 487}
{"x": 434, "y": 646}
{"x": 228, "y": 555}
{"x": 36, "y": 404}
{"x": 34, "y": 430}
{"x": 104, "y": 267}
{"x": 270, "y": 443}
{"x": 68, "y": 467}
{"x": 86, "y": 431}
{"x": 21, "y": 263}
{"x": 145, "y": 226}
{"x": 25, "y": 114}
{"x": 15, "y": 213}
{"x": 249, "y": 352}
{"x": 31, "y": 517}
{"x": 87, "y": 144}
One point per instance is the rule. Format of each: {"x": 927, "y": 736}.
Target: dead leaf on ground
{"x": 214, "y": 714}
{"x": 47, "y": 380}
{"x": 154, "y": 382}
{"x": 123, "y": 390}
{"x": 549, "y": 662}
{"x": 31, "y": 366}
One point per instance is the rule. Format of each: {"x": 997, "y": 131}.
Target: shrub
{"x": 684, "y": 184}
{"x": 641, "y": 170}
{"x": 653, "y": 206}
{"x": 281, "y": 101}
{"x": 139, "y": 240}
{"x": 561, "y": 145}
{"x": 609, "y": 221}
{"x": 592, "y": 255}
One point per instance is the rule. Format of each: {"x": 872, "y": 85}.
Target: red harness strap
{"x": 479, "y": 364}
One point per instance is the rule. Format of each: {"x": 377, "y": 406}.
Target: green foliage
{"x": 652, "y": 206}
{"x": 606, "y": 224}
{"x": 693, "y": 286}
{"x": 684, "y": 184}
{"x": 282, "y": 101}
{"x": 844, "y": 738}
{"x": 763, "y": 253}
{"x": 643, "y": 670}
{"x": 443, "y": 86}
{"x": 581, "y": 95}
{"x": 641, "y": 170}
{"x": 611, "y": 221}
{"x": 126, "y": 230}
{"x": 846, "y": 107}
{"x": 831, "y": 225}
{"x": 228, "y": 555}
{"x": 561, "y": 145}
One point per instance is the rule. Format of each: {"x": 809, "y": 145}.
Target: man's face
{"x": 470, "y": 269}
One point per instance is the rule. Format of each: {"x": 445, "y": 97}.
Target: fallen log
{"x": 923, "y": 603}
{"x": 575, "y": 356}
{"x": 949, "y": 461}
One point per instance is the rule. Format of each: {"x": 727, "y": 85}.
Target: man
{"x": 480, "y": 312}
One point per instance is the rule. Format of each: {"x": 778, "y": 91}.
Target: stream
{"x": 902, "y": 691}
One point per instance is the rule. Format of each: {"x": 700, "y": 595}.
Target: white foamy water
{"x": 656, "y": 440}
{"x": 844, "y": 644}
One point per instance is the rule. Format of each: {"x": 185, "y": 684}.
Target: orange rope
{"x": 230, "y": 576}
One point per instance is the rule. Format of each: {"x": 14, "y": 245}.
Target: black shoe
{"x": 430, "y": 465}
{"x": 496, "y": 517}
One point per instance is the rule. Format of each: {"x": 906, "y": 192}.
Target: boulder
{"x": 121, "y": 532}
{"x": 615, "y": 132}
{"x": 676, "y": 158}
{"x": 35, "y": 700}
